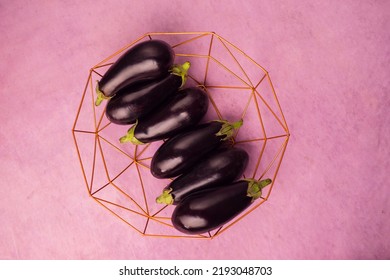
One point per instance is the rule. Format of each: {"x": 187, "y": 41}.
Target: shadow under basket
{"x": 118, "y": 175}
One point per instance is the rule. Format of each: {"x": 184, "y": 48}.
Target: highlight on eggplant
{"x": 182, "y": 111}
{"x": 145, "y": 61}
{"x": 134, "y": 102}
{"x": 179, "y": 153}
{"x": 210, "y": 209}
{"x": 222, "y": 166}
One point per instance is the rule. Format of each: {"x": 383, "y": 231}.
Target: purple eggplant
{"x": 222, "y": 166}
{"x": 145, "y": 61}
{"x": 179, "y": 153}
{"x": 132, "y": 102}
{"x": 210, "y": 209}
{"x": 182, "y": 111}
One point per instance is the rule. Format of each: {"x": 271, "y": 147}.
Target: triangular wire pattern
{"x": 211, "y": 57}
{"x": 230, "y": 60}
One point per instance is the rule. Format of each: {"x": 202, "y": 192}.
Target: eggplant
{"x": 223, "y": 166}
{"x": 133, "y": 102}
{"x": 181, "y": 152}
{"x": 145, "y": 61}
{"x": 209, "y": 209}
{"x": 185, "y": 109}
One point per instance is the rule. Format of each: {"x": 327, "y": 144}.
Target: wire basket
{"x": 118, "y": 175}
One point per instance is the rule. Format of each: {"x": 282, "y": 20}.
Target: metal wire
{"x": 143, "y": 214}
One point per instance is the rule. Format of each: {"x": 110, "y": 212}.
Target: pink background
{"x": 329, "y": 63}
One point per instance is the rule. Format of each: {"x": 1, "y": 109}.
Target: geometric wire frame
{"x": 118, "y": 176}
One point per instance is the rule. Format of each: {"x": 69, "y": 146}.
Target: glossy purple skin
{"x": 131, "y": 103}
{"x": 221, "y": 167}
{"x": 209, "y": 209}
{"x": 182, "y": 111}
{"x": 145, "y": 61}
{"x": 181, "y": 152}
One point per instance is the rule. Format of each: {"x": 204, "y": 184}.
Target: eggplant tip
{"x": 100, "y": 95}
{"x": 129, "y": 137}
{"x": 165, "y": 198}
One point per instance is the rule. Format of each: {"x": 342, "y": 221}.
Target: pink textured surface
{"x": 329, "y": 63}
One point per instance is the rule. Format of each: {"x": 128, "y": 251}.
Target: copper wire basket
{"x": 118, "y": 175}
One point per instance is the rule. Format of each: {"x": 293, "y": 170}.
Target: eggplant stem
{"x": 129, "y": 137}
{"x": 255, "y": 187}
{"x": 165, "y": 197}
{"x": 182, "y": 71}
{"x": 100, "y": 95}
{"x": 228, "y": 128}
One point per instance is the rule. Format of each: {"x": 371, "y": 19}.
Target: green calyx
{"x": 182, "y": 71}
{"x": 165, "y": 197}
{"x": 228, "y": 129}
{"x": 129, "y": 137}
{"x": 255, "y": 187}
{"x": 100, "y": 95}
